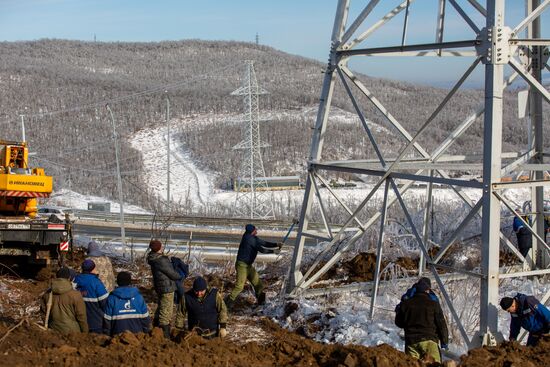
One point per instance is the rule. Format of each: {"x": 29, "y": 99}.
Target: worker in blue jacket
{"x": 528, "y": 313}
{"x": 183, "y": 270}
{"x": 94, "y": 294}
{"x": 126, "y": 309}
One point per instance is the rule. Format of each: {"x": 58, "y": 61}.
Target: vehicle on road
{"x": 58, "y": 212}
{"x": 27, "y": 238}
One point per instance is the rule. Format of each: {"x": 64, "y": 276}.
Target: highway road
{"x": 199, "y": 234}
{"x": 211, "y": 245}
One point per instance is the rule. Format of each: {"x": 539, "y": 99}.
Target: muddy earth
{"x": 253, "y": 340}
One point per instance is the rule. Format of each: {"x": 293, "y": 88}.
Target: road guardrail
{"x": 180, "y": 219}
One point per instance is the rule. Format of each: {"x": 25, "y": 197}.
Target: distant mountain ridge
{"x": 78, "y": 77}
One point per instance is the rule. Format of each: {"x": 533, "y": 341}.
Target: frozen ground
{"x": 72, "y": 199}
{"x": 345, "y": 318}
{"x": 342, "y": 319}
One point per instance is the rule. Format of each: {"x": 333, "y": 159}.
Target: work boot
{"x": 261, "y": 299}
{"x": 166, "y": 331}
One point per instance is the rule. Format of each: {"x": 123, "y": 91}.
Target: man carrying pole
{"x": 248, "y": 250}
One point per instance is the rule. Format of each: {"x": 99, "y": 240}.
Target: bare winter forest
{"x": 40, "y": 78}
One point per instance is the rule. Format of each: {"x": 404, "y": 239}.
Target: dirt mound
{"x": 283, "y": 349}
{"x": 509, "y": 354}
{"x": 361, "y": 268}
{"x": 253, "y": 340}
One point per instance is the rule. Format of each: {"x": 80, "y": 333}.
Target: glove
{"x": 444, "y": 346}
{"x": 223, "y": 333}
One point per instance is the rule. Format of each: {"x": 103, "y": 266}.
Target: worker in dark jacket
{"x": 164, "y": 281}
{"x": 412, "y": 291}
{"x": 64, "y": 307}
{"x": 205, "y": 310}
{"x": 94, "y": 294}
{"x": 528, "y": 313}
{"x": 424, "y": 323}
{"x": 248, "y": 250}
{"x": 125, "y": 309}
{"x": 524, "y": 237}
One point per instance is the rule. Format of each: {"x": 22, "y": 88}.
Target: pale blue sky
{"x": 301, "y": 27}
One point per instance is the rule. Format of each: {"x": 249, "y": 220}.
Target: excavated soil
{"x": 361, "y": 268}
{"x": 253, "y": 340}
{"x": 509, "y": 354}
{"x": 28, "y": 345}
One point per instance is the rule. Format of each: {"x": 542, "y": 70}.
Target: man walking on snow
{"x": 248, "y": 250}
{"x": 424, "y": 323}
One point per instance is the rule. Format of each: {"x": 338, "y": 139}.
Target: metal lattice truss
{"x": 253, "y": 200}
{"x": 493, "y": 45}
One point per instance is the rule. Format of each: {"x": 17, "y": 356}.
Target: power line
{"x": 72, "y": 151}
{"x": 160, "y": 88}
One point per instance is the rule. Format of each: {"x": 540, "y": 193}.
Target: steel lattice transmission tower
{"x": 503, "y": 53}
{"x": 253, "y": 200}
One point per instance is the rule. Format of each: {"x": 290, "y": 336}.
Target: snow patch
{"x": 71, "y": 199}
{"x": 189, "y": 185}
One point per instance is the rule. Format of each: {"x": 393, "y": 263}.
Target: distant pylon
{"x": 253, "y": 201}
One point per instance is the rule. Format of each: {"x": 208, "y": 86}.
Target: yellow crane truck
{"x": 25, "y": 237}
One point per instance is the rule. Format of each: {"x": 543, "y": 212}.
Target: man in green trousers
{"x": 424, "y": 323}
{"x": 164, "y": 281}
{"x": 248, "y": 250}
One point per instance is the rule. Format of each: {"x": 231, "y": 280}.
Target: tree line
{"x": 41, "y": 78}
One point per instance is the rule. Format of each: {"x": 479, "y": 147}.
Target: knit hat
{"x": 88, "y": 265}
{"x": 64, "y": 273}
{"x": 249, "y": 228}
{"x": 199, "y": 284}
{"x": 155, "y": 245}
{"x": 506, "y": 303}
{"x": 124, "y": 279}
{"x": 423, "y": 284}
{"x": 93, "y": 249}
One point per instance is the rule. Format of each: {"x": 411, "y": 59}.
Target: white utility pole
{"x": 23, "y": 128}
{"x": 119, "y": 182}
{"x": 167, "y": 148}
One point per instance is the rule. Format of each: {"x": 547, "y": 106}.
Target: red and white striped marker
{"x": 25, "y": 194}
{"x": 64, "y": 246}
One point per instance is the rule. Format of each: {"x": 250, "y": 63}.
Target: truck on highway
{"x": 26, "y": 238}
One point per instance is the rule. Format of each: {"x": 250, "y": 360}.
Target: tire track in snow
{"x": 185, "y": 165}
